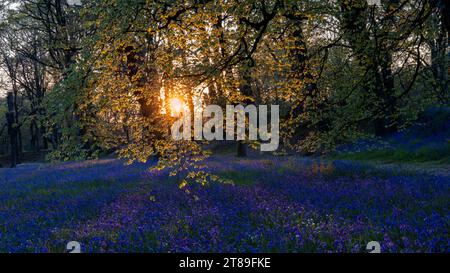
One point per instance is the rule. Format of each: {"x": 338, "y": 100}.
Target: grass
{"x": 247, "y": 178}
{"x": 426, "y": 154}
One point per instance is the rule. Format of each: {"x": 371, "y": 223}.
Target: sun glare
{"x": 176, "y": 106}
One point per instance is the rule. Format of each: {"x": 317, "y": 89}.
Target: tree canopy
{"x": 97, "y": 76}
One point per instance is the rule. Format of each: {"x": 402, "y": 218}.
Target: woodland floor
{"x": 276, "y": 204}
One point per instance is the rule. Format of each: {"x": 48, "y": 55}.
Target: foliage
{"x": 340, "y": 70}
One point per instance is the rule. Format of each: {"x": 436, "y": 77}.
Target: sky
{"x": 4, "y": 86}
{"x": 3, "y": 89}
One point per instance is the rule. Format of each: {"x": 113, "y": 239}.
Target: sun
{"x": 176, "y": 106}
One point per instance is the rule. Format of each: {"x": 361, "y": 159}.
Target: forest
{"x": 89, "y": 90}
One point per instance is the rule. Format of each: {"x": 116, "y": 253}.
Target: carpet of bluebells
{"x": 276, "y": 204}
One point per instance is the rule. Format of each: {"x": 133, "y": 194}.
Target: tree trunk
{"x": 35, "y": 133}
{"x": 12, "y": 129}
{"x": 246, "y": 90}
{"x": 241, "y": 149}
